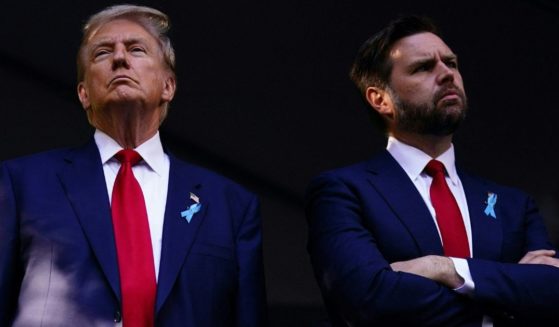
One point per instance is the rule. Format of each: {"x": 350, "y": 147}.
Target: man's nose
{"x": 120, "y": 57}
{"x": 445, "y": 73}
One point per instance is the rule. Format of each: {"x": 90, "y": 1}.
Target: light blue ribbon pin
{"x": 191, "y": 211}
{"x": 193, "y": 208}
{"x": 490, "y": 209}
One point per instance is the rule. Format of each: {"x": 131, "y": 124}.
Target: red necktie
{"x": 449, "y": 218}
{"x": 133, "y": 245}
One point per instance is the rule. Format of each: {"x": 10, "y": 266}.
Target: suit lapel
{"x": 392, "y": 182}
{"x": 84, "y": 183}
{"x": 178, "y": 233}
{"x": 486, "y": 230}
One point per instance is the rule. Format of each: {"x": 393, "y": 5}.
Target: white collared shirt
{"x": 152, "y": 174}
{"x": 413, "y": 161}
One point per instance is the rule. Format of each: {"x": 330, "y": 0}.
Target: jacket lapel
{"x": 178, "y": 233}
{"x": 84, "y": 182}
{"x": 392, "y": 182}
{"x": 486, "y": 231}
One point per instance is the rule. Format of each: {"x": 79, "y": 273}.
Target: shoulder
{"x": 33, "y": 172}
{"x": 357, "y": 172}
{"x": 39, "y": 161}
{"x": 349, "y": 182}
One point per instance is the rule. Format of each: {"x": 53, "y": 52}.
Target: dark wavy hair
{"x": 372, "y": 65}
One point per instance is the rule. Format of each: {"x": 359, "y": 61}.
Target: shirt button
{"x": 118, "y": 316}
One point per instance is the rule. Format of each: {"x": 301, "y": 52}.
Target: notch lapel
{"x": 84, "y": 183}
{"x": 399, "y": 192}
{"x": 486, "y": 231}
{"x": 178, "y": 234}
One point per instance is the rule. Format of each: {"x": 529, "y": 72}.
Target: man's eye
{"x": 452, "y": 64}
{"x": 421, "y": 68}
{"x": 100, "y": 53}
{"x": 137, "y": 50}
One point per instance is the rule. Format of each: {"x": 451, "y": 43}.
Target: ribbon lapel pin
{"x": 192, "y": 209}
{"x": 491, "y": 201}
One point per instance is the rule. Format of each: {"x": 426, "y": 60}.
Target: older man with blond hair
{"x": 119, "y": 231}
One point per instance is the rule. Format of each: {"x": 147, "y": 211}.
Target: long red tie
{"x": 449, "y": 218}
{"x": 133, "y": 245}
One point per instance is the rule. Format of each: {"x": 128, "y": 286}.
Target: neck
{"x": 129, "y": 127}
{"x": 433, "y": 145}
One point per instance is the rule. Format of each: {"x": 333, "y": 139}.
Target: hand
{"x": 437, "y": 268}
{"x": 540, "y": 257}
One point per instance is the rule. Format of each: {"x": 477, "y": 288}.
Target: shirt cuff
{"x": 463, "y": 270}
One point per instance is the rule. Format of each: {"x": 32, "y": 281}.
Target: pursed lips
{"x": 121, "y": 78}
{"x": 449, "y": 93}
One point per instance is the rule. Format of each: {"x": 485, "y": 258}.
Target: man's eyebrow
{"x": 427, "y": 60}
{"x": 451, "y": 56}
{"x": 112, "y": 41}
{"x": 430, "y": 60}
{"x": 134, "y": 40}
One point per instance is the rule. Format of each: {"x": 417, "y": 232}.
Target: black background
{"x": 264, "y": 98}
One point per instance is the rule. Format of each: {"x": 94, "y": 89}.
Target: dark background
{"x": 264, "y": 98}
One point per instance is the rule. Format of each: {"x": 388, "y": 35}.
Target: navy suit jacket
{"x": 366, "y": 216}
{"x": 58, "y": 265}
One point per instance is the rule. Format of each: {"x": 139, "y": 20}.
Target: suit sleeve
{"x": 251, "y": 297}
{"x": 525, "y": 292}
{"x": 357, "y": 281}
{"x": 9, "y": 249}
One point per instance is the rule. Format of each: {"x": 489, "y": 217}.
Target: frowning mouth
{"x": 449, "y": 94}
{"x": 121, "y": 79}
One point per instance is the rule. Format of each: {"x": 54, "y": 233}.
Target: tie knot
{"x": 434, "y": 167}
{"x": 128, "y": 156}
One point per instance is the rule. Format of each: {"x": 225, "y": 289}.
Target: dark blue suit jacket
{"x": 58, "y": 264}
{"x": 366, "y": 216}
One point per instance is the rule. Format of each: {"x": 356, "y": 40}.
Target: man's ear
{"x": 169, "y": 89}
{"x": 84, "y": 97}
{"x": 380, "y": 100}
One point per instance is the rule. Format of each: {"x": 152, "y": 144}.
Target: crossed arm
{"x": 365, "y": 287}
{"x": 441, "y": 269}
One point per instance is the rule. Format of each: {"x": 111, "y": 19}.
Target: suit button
{"x": 118, "y": 316}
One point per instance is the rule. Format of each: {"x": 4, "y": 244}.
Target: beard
{"x": 439, "y": 118}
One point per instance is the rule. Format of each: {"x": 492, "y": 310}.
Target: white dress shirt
{"x": 413, "y": 161}
{"x": 152, "y": 174}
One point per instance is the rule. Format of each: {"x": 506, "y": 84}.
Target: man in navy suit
{"x": 379, "y": 236}
{"x": 61, "y": 260}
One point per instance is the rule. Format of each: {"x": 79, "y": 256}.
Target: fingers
{"x": 413, "y": 266}
{"x": 437, "y": 268}
{"x": 397, "y": 266}
{"x": 542, "y": 252}
{"x": 533, "y": 255}
{"x": 543, "y": 260}
{"x": 545, "y": 257}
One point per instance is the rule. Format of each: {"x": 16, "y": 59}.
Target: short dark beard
{"x": 427, "y": 118}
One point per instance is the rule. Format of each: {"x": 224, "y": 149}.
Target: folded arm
{"x": 528, "y": 289}
{"x": 356, "y": 278}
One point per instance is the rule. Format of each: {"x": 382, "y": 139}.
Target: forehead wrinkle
{"x": 421, "y": 46}
{"x": 118, "y": 37}
{"x": 124, "y": 39}
{"x": 427, "y": 56}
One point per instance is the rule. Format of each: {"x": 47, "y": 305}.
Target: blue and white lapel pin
{"x": 491, "y": 201}
{"x": 192, "y": 209}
